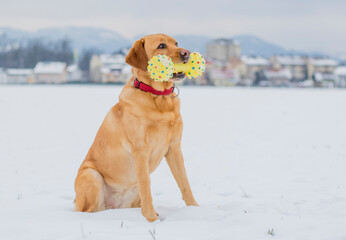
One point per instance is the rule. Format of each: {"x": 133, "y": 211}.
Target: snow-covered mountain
{"x": 80, "y": 37}
{"x": 13, "y": 33}
{"x": 109, "y": 41}
{"x": 252, "y": 45}
{"x": 195, "y": 43}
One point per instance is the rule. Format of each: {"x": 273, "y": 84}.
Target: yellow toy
{"x": 161, "y": 68}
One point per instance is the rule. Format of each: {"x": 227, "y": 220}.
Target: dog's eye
{"x": 176, "y": 44}
{"x": 162, "y": 46}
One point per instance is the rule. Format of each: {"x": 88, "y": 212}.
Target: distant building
{"x": 278, "y": 77}
{"x": 108, "y": 68}
{"x": 340, "y": 73}
{"x": 224, "y": 77}
{"x": 250, "y": 68}
{"x": 342, "y": 60}
{"x": 223, "y": 49}
{"x": 219, "y": 73}
{"x": 321, "y": 65}
{"x": 3, "y": 76}
{"x": 295, "y": 64}
{"x": 19, "y": 75}
{"x": 75, "y": 74}
{"x": 324, "y": 80}
{"x": 51, "y": 72}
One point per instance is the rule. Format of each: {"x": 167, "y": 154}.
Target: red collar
{"x": 146, "y": 88}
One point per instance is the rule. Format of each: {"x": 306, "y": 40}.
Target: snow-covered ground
{"x": 262, "y": 163}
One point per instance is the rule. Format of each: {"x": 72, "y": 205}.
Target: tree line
{"x": 26, "y": 55}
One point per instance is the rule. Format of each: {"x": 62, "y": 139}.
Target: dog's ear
{"x": 137, "y": 56}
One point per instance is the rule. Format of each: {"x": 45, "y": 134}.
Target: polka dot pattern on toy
{"x": 196, "y": 65}
{"x": 160, "y": 68}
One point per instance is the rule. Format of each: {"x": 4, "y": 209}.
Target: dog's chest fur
{"x": 157, "y": 142}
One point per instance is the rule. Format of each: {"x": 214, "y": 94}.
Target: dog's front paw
{"x": 151, "y": 216}
{"x": 194, "y": 203}
{"x": 152, "y": 219}
{"x": 190, "y": 201}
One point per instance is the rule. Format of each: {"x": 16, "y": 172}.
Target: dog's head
{"x": 143, "y": 50}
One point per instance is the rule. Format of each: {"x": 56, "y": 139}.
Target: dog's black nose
{"x": 184, "y": 54}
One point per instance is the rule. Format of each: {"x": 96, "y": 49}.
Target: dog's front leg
{"x": 175, "y": 161}
{"x": 141, "y": 161}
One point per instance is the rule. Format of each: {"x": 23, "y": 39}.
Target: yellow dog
{"x": 136, "y": 134}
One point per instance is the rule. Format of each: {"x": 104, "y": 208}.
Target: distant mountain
{"x": 85, "y": 37}
{"x": 81, "y": 37}
{"x": 108, "y": 41}
{"x": 13, "y": 33}
{"x": 252, "y": 45}
{"x": 195, "y": 43}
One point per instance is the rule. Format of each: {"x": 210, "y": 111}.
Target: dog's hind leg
{"x": 90, "y": 191}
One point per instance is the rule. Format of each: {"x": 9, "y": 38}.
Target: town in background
{"x": 41, "y": 63}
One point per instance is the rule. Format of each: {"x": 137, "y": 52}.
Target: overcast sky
{"x": 311, "y": 25}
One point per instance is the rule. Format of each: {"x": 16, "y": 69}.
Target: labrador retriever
{"x": 136, "y": 134}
